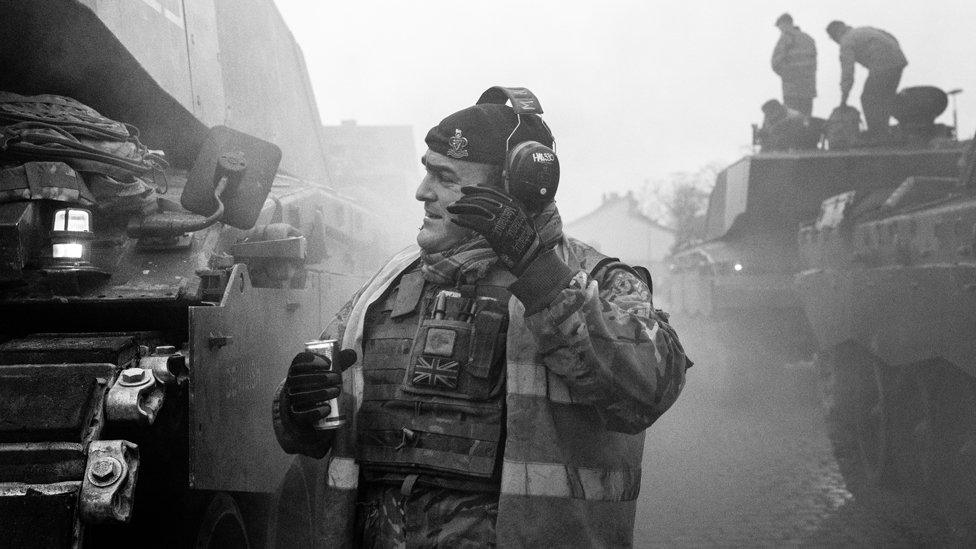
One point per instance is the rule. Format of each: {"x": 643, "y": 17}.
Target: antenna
{"x": 955, "y": 114}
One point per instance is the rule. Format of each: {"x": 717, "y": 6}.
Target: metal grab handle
{"x": 215, "y": 340}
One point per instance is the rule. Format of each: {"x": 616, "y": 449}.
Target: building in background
{"x": 619, "y": 228}
{"x": 379, "y": 166}
{"x": 381, "y": 158}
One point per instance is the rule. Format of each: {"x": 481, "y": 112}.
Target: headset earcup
{"x": 532, "y": 173}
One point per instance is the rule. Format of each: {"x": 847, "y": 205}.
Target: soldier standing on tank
{"x": 795, "y": 61}
{"x": 879, "y": 52}
{"x": 506, "y": 372}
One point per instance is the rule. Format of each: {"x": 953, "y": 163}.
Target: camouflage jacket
{"x": 795, "y": 61}
{"x": 874, "y": 48}
{"x": 590, "y": 365}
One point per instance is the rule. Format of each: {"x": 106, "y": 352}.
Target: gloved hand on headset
{"x": 503, "y": 223}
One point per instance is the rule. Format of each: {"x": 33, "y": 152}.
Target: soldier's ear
{"x": 490, "y": 176}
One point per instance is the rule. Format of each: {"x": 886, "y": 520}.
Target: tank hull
{"x": 890, "y": 292}
{"x": 235, "y": 325}
{"x": 902, "y": 314}
{"x": 746, "y": 269}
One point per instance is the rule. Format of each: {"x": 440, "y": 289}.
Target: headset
{"x": 531, "y": 170}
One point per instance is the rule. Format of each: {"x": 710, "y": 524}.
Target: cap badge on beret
{"x": 458, "y": 144}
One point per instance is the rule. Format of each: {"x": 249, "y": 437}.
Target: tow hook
{"x": 109, "y": 483}
{"x": 135, "y": 397}
{"x": 138, "y": 393}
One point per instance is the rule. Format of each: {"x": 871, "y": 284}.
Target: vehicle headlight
{"x": 71, "y": 235}
{"x": 68, "y": 250}
{"x": 72, "y": 220}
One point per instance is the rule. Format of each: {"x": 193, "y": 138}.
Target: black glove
{"x": 503, "y": 223}
{"x": 312, "y": 382}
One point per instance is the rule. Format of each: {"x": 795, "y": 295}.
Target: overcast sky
{"x": 633, "y": 90}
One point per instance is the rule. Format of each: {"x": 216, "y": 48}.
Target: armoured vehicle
{"x": 140, "y": 348}
{"x": 888, "y": 286}
{"x": 733, "y": 293}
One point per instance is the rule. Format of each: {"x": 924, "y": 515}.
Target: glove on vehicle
{"x": 503, "y": 223}
{"x": 312, "y": 382}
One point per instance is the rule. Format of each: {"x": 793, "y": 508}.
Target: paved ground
{"x": 756, "y": 469}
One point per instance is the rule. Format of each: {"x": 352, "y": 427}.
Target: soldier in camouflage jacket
{"x": 534, "y": 439}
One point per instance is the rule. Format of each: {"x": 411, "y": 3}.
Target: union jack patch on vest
{"x": 435, "y": 372}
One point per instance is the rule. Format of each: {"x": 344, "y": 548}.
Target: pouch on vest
{"x": 454, "y": 351}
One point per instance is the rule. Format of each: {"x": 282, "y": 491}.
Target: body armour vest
{"x": 433, "y": 393}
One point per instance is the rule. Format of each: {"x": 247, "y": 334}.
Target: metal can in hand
{"x": 335, "y": 419}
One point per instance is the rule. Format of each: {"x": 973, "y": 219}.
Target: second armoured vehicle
{"x": 735, "y": 289}
{"x": 889, "y": 287}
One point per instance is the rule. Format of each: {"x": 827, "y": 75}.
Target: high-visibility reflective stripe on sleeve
{"x": 535, "y": 479}
{"x": 557, "y": 480}
{"x": 343, "y": 473}
{"x": 525, "y": 374}
{"x": 534, "y": 379}
{"x": 609, "y": 485}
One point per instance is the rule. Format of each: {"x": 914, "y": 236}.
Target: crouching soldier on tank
{"x": 505, "y": 372}
{"x": 785, "y": 129}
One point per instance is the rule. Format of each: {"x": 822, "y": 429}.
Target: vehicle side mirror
{"x": 244, "y": 164}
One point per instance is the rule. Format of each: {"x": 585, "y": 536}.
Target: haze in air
{"x": 633, "y": 90}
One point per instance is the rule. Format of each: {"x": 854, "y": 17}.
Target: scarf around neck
{"x": 470, "y": 260}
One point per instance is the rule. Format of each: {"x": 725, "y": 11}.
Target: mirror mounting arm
{"x": 227, "y": 176}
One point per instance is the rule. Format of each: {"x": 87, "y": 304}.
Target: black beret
{"x": 478, "y": 133}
